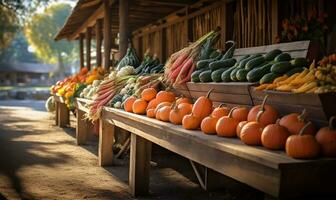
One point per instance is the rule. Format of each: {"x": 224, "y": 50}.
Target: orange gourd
{"x": 226, "y": 126}
{"x": 164, "y": 113}
{"x": 191, "y": 122}
{"x": 160, "y": 105}
{"x": 240, "y": 114}
{"x": 269, "y": 116}
{"x": 251, "y": 132}
{"x": 294, "y": 122}
{"x": 148, "y": 94}
{"x": 203, "y": 106}
{"x": 165, "y": 96}
{"x": 302, "y": 146}
{"x": 128, "y": 105}
{"x": 178, "y": 112}
{"x": 139, "y": 106}
{"x": 208, "y": 125}
{"x": 220, "y": 111}
{"x": 239, "y": 127}
{"x": 152, "y": 104}
{"x": 150, "y": 113}
{"x": 326, "y": 137}
{"x": 274, "y": 136}
{"x": 183, "y": 100}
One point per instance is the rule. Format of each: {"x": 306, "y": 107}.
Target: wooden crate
{"x": 319, "y": 107}
{"x": 62, "y": 118}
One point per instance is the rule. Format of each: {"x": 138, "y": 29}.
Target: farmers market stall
{"x": 258, "y": 112}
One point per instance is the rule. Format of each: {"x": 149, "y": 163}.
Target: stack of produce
{"x": 149, "y": 65}
{"x": 130, "y": 59}
{"x": 182, "y": 64}
{"x": 321, "y": 79}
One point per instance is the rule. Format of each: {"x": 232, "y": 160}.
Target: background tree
{"x": 40, "y": 31}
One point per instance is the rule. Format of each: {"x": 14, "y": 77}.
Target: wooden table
{"x": 84, "y": 128}
{"x": 269, "y": 171}
{"x": 62, "y": 118}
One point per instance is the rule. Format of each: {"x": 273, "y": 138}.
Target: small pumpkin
{"x": 148, "y": 94}
{"x": 160, "y": 105}
{"x": 251, "y": 132}
{"x": 139, "y": 106}
{"x": 128, "y": 105}
{"x": 274, "y": 136}
{"x": 269, "y": 116}
{"x": 302, "y": 146}
{"x": 183, "y": 100}
{"x": 294, "y": 122}
{"x": 191, "y": 122}
{"x": 226, "y": 126}
{"x": 208, "y": 125}
{"x": 150, "y": 113}
{"x": 240, "y": 114}
{"x": 178, "y": 112}
{"x": 239, "y": 127}
{"x": 164, "y": 113}
{"x": 165, "y": 96}
{"x": 203, "y": 106}
{"x": 152, "y": 104}
{"x": 326, "y": 137}
{"x": 221, "y": 111}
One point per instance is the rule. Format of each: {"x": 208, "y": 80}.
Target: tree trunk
{"x": 61, "y": 68}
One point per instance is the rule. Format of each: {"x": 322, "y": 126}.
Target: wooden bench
{"x": 271, "y": 172}
{"x": 62, "y": 118}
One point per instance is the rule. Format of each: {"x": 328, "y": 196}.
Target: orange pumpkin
{"x": 148, "y": 94}
{"x": 139, "y": 106}
{"x": 160, "y": 105}
{"x": 164, "y": 113}
{"x": 191, "y": 122}
{"x": 239, "y": 127}
{"x": 178, "y": 112}
{"x": 152, "y": 104}
{"x": 128, "y": 105}
{"x": 226, "y": 126}
{"x": 302, "y": 146}
{"x": 294, "y": 122}
{"x": 150, "y": 113}
{"x": 269, "y": 116}
{"x": 274, "y": 136}
{"x": 251, "y": 132}
{"x": 240, "y": 114}
{"x": 326, "y": 137}
{"x": 208, "y": 125}
{"x": 220, "y": 111}
{"x": 203, "y": 106}
{"x": 165, "y": 96}
{"x": 183, "y": 100}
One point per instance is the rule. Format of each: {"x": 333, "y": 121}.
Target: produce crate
{"x": 232, "y": 94}
{"x": 62, "y": 118}
{"x": 319, "y": 107}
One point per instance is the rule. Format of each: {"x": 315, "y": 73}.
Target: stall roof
{"x": 141, "y": 13}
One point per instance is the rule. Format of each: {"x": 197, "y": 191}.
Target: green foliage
{"x": 8, "y": 26}
{"x": 41, "y": 29}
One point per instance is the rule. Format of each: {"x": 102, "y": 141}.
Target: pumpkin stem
{"x": 208, "y": 95}
{"x": 331, "y": 120}
{"x": 231, "y": 111}
{"x": 262, "y": 106}
{"x": 259, "y": 115}
{"x": 277, "y": 121}
{"x": 174, "y": 106}
{"x": 221, "y": 105}
{"x": 302, "y": 116}
{"x": 304, "y": 128}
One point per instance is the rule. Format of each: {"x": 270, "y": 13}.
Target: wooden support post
{"x": 63, "y": 115}
{"x": 124, "y": 31}
{"x": 88, "y": 47}
{"x": 274, "y": 17}
{"x": 223, "y": 24}
{"x": 106, "y": 140}
{"x": 56, "y": 113}
{"x": 139, "y": 165}
{"x": 82, "y": 130}
{"x": 107, "y": 34}
{"x": 81, "y": 50}
{"x": 98, "y": 42}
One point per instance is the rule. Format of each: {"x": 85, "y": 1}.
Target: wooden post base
{"x": 63, "y": 115}
{"x": 139, "y": 165}
{"x": 84, "y": 129}
{"x": 56, "y": 113}
{"x": 106, "y": 140}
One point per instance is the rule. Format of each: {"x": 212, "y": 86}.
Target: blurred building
{"x": 25, "y": 73}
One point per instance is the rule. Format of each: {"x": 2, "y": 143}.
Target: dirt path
{"x": 41, "y": 161}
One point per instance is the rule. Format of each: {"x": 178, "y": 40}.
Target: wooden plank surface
{"x": 228, "y": 88}
{"x": 63, "y": 115}
{"x": 106, "y": 140}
